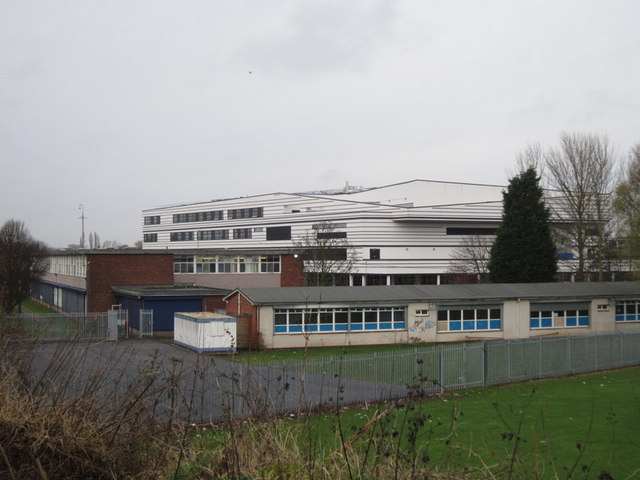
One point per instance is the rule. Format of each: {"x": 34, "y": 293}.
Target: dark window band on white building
{"x": 239, "y": 213}
{"x": 150, "y": 237}
{"x": 471, "y": 231}
{"x": 198, "y": 216}
{"x": 327, "y": 235}
{"x": 213, "y": 235}
{"x": 152, "y": 220}
{"x": 240, "y": 233}
{"x": 181, "y": 236}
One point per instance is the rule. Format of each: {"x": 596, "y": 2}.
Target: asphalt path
{"x": 180, "y": 384}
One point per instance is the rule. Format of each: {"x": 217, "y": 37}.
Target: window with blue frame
{"x": 339, "y": 319}
{"x": 469, "y": 319}
{"x": 559, "y": 316}
{"x": 628, "y": 311}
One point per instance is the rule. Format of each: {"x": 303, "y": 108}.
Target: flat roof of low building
{"x": 177, "y": 290}
{"x": 440, "y": 293}
{"x": 108, "y": 251}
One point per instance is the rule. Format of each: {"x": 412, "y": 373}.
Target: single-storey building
{"x": 165, "y": 301}
{"x": 335, "y": 316}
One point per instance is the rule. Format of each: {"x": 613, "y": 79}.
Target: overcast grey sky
{"x": 123, "y": 105}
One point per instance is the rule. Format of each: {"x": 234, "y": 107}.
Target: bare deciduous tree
{"x": 472, "y": 256}
{"x": 112, "y": 244}
{"x": 22, "y": 261}
{"x": 326, "y": 253}
{"x": 626, "y": 204}
{"x": 94, "y": 240}
{"x": 582, "y": 170}
{"x": 531, "y": 156}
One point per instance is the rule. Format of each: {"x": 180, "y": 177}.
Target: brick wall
{"x": 292, "y": 271}
{"x": 238, "y": 306}
{"x": 119, "y": 269}
{"x": 213, "y": 303}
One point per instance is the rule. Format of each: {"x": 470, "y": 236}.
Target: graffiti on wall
{"x": 421, "y": 325}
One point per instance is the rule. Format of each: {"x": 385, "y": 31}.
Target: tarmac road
{"x": 195, "y": 388}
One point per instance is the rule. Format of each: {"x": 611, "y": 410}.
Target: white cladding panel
{"x": 408, "y": 222}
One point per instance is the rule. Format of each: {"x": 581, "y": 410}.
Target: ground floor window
{"x": 339, "y": 319}
{"x": 466, "y": 319}
{"x": 628, "y": 311}
{"x": 559, "y": 316}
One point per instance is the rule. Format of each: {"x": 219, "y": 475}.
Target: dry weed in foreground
{"x": 52, "y": 427}
{"x": 281, "y": 450}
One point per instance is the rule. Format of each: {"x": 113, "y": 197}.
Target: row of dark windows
{"x": 202, "y": 235}
{"x": 325, "y": 235}
{"x": 341, "y": 319}
{"x": 273, "y": 233}
{"x": 208, "y": 216}
{"x": 256, "y": 212}
{"x": 245, "y": 213}
{"x": 471, "y": 231}
{"x": 198, "y": 216}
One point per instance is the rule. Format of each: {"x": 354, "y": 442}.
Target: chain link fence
{"x": 65, "y": 326}
{"x": 436, "y": 368}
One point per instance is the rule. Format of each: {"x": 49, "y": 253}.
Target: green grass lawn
{"x": 585, "y": 426}
{"x": 33, "y": 307}
{"x": 574, "y": 427}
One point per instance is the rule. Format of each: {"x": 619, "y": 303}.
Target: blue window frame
{"x": 469, "y": 318}
{"x": 559, "y": 318}
{"x": 339, "y": 319}
{"x": 628, "y": 311}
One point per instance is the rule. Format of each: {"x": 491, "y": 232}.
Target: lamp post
{"x": 82, "y": 217}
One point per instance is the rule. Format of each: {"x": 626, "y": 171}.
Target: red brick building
{"x": 84, "y": 281}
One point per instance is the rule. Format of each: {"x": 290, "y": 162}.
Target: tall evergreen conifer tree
{"x": 524, "y": 250}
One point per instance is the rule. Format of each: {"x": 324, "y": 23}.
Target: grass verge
{"x": 575, "y": 427}
{"x": 301, "y": 354}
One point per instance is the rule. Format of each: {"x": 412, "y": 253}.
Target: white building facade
{"x": 397, "y": 234}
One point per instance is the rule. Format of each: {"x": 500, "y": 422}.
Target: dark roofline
{"x": 107, "y": 251}
{"x": 438, "y": 293}
{"x": 172, "y": 290}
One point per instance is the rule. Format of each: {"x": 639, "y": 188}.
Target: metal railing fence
{"x": 434, "y": 368}
{"x": 65, "y": 326}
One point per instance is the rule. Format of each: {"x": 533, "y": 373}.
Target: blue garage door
{"x": 164, "y": 308}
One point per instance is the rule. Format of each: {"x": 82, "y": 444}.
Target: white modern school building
{"x": 400, "y": 234}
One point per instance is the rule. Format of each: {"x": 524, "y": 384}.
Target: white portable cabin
{"x": 205, "y": 332}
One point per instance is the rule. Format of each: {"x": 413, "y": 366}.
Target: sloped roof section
{"x": 439, "y": 293}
